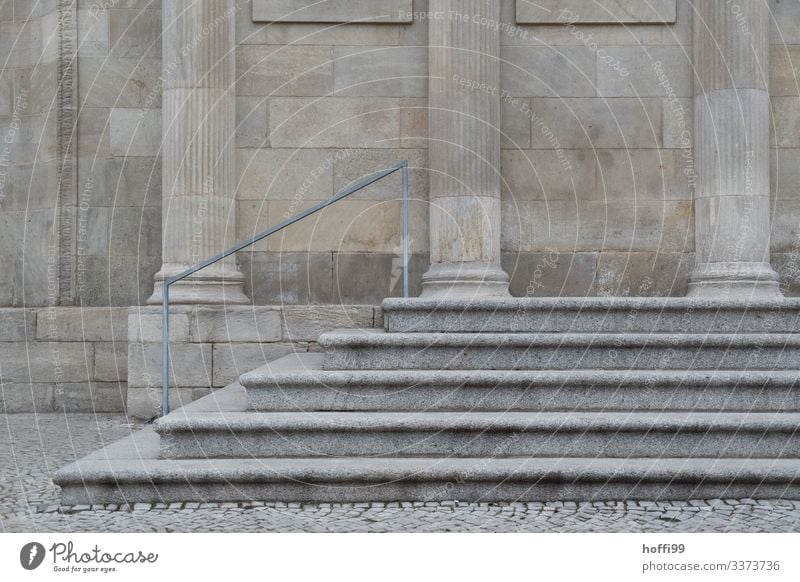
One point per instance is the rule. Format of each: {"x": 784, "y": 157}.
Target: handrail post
{"x": 165, "y": 348}
{"x": 405, "y": 229}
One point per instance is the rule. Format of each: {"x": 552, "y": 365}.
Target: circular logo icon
{"x": 31, "y": 555}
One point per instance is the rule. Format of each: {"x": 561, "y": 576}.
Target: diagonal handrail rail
{"x": 400, "y": 167}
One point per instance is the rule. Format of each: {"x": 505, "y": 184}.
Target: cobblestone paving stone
{"x": 32, "y": 447}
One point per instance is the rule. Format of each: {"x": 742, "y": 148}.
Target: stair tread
{"x": 379, "y": 338}
{"x": 584, "y": 303}
{"x": 366, "y": 470}
{"x": 478, "y": 421}
{"x": 301, "y": 368}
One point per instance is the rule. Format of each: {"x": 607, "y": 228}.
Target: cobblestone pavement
{"x": 33, "y": 446}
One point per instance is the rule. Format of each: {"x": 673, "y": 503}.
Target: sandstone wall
{"x": 596, "y": 169}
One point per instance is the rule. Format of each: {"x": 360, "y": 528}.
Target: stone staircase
{"x": 491, "y": 400}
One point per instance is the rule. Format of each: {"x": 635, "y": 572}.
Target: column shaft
{"x": 731, "y": 122}
{"x": 464, "y": 126}
{"x": 198, "y": 164}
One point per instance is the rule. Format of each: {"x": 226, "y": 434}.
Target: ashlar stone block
{"x": 332, "y": 11}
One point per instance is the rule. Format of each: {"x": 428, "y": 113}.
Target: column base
{"x": 212, "y": 286}
{"x": 464, "y": 281}
{"x": 735, "y": 281}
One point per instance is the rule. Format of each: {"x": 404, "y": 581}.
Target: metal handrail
{"x": 401, "y": 167}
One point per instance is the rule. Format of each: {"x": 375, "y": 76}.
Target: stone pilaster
{"x": 464, "y": 126}
{"x": 199, "y": 122}
{"x": 731, "y": 122}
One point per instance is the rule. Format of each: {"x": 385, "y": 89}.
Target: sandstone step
{"x": 378, "y": 350}
{"x": 592, "y": 315}
{"x": 298, "y": 382}
{"x": 479, "y": 434}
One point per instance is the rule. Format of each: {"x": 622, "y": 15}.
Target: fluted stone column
{"x": 199, "y": 121}
{"x": 731, "y": 122}
{"x": 464, "y": 126}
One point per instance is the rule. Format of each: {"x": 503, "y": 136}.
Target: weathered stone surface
{"x": 786, "y": 122}
{"x": 570, "y": 226}
{"x": 629, "y": 311}
{"x": 784, "y": 71}
{"x": 350, "y": 167}
{"x": 121, "y": 182}
{"x": 135, "y": 33}
{"x": 110, "y": 362}
{"x": 91, "y": 396}
{"x": 660, "y": 274}
{"x": 191, "y": 365}
{"x": 306, "y": 323}
{"x": 334, "y": 122}
{"x": 678, "y": 127}
{"x": 17, "y": 325}
{"x": 381, "y": 71}
{"x": 285, "y": 174}
{"x": 236, "y": 324}
{"x": 16, "y": 397}
{"x": 655, "y": 72}
{"x": 43, "y": 362}
{"x": 82, "y": 324}
{"x": 370, "y": 349}
{"x": 288, "y": 278}
{"x": 145, "y": 324}
{"x": 596, "y": 123}
{"x": 279, "y": 33}
{"x": 132, "y": 83}
{"x": 549, "y": 174}
{"x": 93, "y": 33}
{"x": 642, "y": 175}
{"x": 414, "y": 123}
{"x": 550, "y": 273}
{"x": 597, "y": 11}
{"x": 363, "y": 278}
{"x": 783, "y": 22}
{"x": 785, "y": 175}
{"x": 477, "y": 435}
{"x": 348, "y": 226}
{"x": 135, "y": 133}
{"x": 290, "y": 70}
{"x": 298, "y": 382}
{"x": 232, "y": 360}
{"x": 145, "y": 403}
{"x": 570, "y": 72}
{"x": 251, "y": 122}
{"x": 332, "y": 10}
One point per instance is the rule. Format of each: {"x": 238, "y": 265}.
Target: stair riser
{"x": 466, "y": 490}
{"x": 487, "y": 398}
{"x": 443, "y": 357}
{"x": 487, "y": 444}
{"x": 592, "y": 321}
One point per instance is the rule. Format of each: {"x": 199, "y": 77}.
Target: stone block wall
{"x": 596, "y": 168}
{"x": 212, "y": 346}
{"x": 119, "y": 143}
{"x": 320, "y": 106}
{"x": 64, "y": 359}
{"x": 28, "y": 149}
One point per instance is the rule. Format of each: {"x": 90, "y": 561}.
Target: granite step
{"x": 298, "y": 383}
{"x": 592, "y": 315}
{"x": 479, "y": 434}
{"x": 413, "y": 479}
{"x": 379, "y": 350}
{"x": 132, "y": 470}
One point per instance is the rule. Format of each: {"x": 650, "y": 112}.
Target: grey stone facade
{"x": 596, "y": 167}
